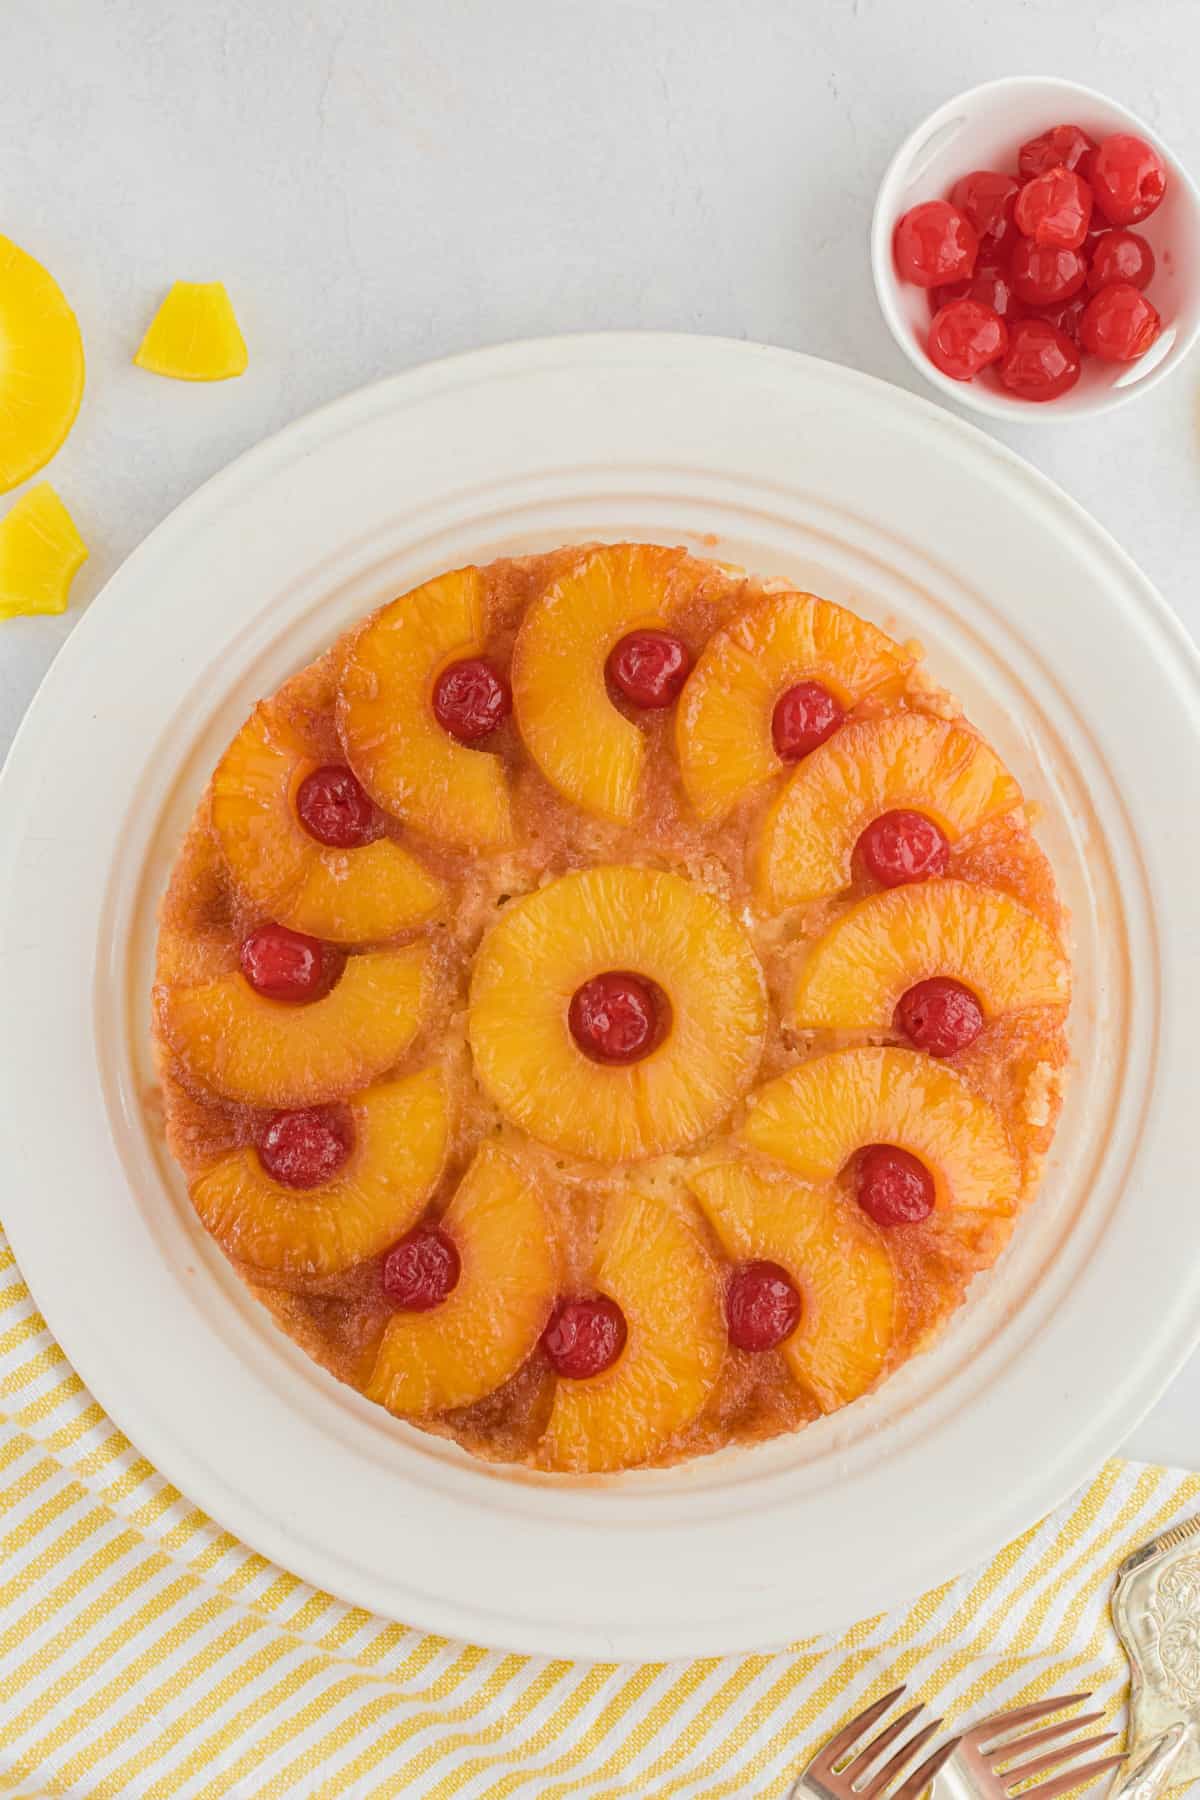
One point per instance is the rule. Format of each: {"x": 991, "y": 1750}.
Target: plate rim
{"x": 338, "y": 418}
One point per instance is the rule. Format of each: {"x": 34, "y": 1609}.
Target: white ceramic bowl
{"x": 983, "y": 129}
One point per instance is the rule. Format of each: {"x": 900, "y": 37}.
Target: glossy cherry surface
{"x": 939, "y": 1016}
{"x": 615, "y": 1017}
{"x": 1128, "y": 178}
{"x": 1055, "y": 208}
{"x": 965, "y": 337}
{"x": 335, "y": 808}
{"x": 585, "y": 1336}
{"x": 470, "y": 699}
{"x": 301, "y": 1149}
{"x": 421, "y": 1270}
{"x": 649, "y": 668}
{"x": 893, "y": 1187}
{"x": 1119, "y": 323}
{"x": 903, "y": 846}
{"x": 935, "y": 242}
{"x": 1119, "y": 256}
{"x": 762, "y": 1306}
{"x": 804, "y": 717}
{"x": 1041, "y": 361}
{"x": 288, "y": 965}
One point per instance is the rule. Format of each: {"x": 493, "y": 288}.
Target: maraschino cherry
{"x": 649, "y": 668}
{"x": 762, "y": 1306}
{"x": 804, "y": 717}
{"x": 585, "y": 1336}
{"x": 421, "y": 1270}
{"x": 903, "y": 846}
{"x": 335, "y": 808}
{"x": 940, "y": 1016}
{"x": 301, "y": 1149}
{"x": 893, "y": 1187}
{"x": 288, "y": 965}
{"x": 616, "y": 1017}
{"x": 470, "y": 699}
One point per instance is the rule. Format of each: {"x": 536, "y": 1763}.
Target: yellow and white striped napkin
{"x": 146, "y": 1654}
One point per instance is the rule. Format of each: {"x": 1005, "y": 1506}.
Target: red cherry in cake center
{"x": 286, "y": 965}
{"x": 762, "y": 1306}
{"x": 585, "y": 1336}
{"x": 804, "y": 717}
{"x": 616, "y": 1017}
{"x": 903, "y": 846}
{"x": 470, "y": 698}
{"x": 893, "y": 1188}
{"x": 940, "y": 1016}
{"x": 649, "y": 668}
{"x": 304, "y": 1148}
{"x": 421, "y": 1270}
{"x": 334, "y": 807}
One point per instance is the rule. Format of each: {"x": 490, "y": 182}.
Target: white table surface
{"x": 379, "y": 182}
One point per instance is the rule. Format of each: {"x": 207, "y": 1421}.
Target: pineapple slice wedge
{"x": 194, "y": 335}
{"x": 723, "y": 725}
{"x": 653, "y": 1263}
{"x": 41, "y": 367}
{"x": 661, "y": 927}
{"x": 273, "y": 1053}
{"x": 885, "y": 944}
{"x": 904, "y": 760}
{"x": 393, "y": 741}
{"x": 40, "y": 554}
{"x": 344, "y": 896}
{"x": 401, "y": 1130}
{"x": 837, "y": 1260}
{"x": 814, "y": 1118}
{"x": 587, "y": 750}
{"x": 429, "y": 1362}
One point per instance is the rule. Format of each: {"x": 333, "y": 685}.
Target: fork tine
{"x": 1004, "y": 1722}
{"x": 919, "y": 1781}
{"x": 877, "y": 1746}
{"x": 1019, "y": 1746}
{"x": 880, "y": 1783}
{"x": 1054, "y": 1759}
{"x": 858, "y": 1727}
{"x": 1062, "y": 1784}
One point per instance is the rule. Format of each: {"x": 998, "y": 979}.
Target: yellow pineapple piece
{"x": 41, "y": 367}
{"x": 40, "y": 554}
{"x": 837, "y": 1260}
{"x": 723, "y": 725}
{"x": 276, "y": 1053}
{"x": 814, "y": 1118}
{"x": 653, "y": 1264}
{"x": 888, "y": 942}
{"x": 194, "y": 335}
{"x": 345, "y": 896}
{"x": 491, "y": 1321}
{"x": 878, "y": 765}
{"x": 400, "y": 1136}
{"x": 587, "y": 750}
{"x": 393, "y": 740}
{"x": 655, "y": 925}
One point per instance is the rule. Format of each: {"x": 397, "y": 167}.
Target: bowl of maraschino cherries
{"x": 1037, "y": 251}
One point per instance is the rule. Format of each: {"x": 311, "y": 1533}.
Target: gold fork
{"x": 983, "y": 1767}
{"x": 854, "y": 1780}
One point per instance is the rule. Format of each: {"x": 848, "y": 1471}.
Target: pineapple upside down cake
{"x": 609, "y": 1008}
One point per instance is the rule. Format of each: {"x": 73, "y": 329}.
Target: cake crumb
{"x": 1042, "y": 1094}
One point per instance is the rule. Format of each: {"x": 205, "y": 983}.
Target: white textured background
{"x": 382, "y": 181}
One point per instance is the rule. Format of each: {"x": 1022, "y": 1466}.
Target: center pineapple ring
{"x": 546, "y": 1050}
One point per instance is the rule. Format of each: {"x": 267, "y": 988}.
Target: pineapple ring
{"x": 401, "y": 1129}
{"x": 835, "y": 1256}
{"x": 653, "y": 1264}
{"x": 345, "y": 896}
{"x": 41, "y": 365}
{"x": 885, "y": 944}
{"x": 813, "y": 1119}
{"x": 270, "y": 1053}
{"x": 659, "y": 926}
{"x": 591, "y": 753}
{"x": 394, "y": 744}
{"x": 723, "y": 731}
{"x": 41, "y": 553}
{"x": 904, "y": 760}
{"x": 491, "y": 1321}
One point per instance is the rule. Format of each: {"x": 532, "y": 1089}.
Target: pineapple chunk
{"x": 393, "y": 741}
{"x": 40, "y": 554}
{"x": 835, "y": 1256}
{"x": 878, "y": 765}
{"x": 273, "y": 1053}
{"x": 654, "y": 1265}
{"x": 813, "y": 1119}
{"x": 345, "y": 896}
{"x": 491, "y": 1321}
{"x": 723, "y": 726}
{"x": 591, "y": 753}
{"x": 400, "y": 1136}
{"x": 194, "y": 335}
{"x": 888, "y": 942}
{"x": 659, "y": 926}
{"x": 41, "y": 368}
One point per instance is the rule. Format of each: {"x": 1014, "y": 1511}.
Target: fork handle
{"x": 1148, "y": 1775}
